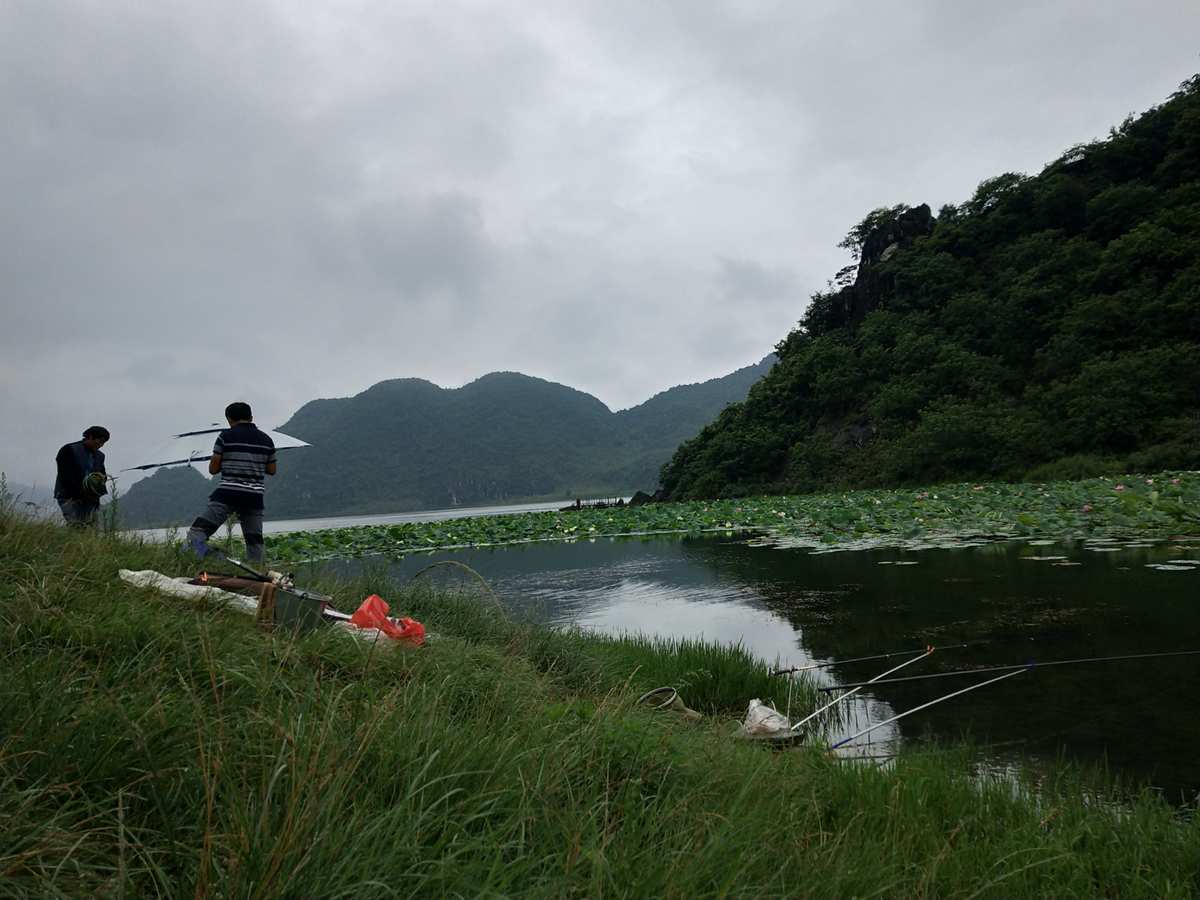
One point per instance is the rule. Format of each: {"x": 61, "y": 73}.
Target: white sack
{"x": 762, "y": 719}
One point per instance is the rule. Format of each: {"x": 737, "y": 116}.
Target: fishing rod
{"x": 934, "y": 702}
{"x": 842, "y": 662}
{"x": 216, "y": 429}
{"x": 172, "y": 462}
{"x": 193, "y": 458}
{"x": 926, "y": 652}
{"x": 252, "y": 572}
{"x": 267, "y": 579}
{"x": 1022, "y": 666}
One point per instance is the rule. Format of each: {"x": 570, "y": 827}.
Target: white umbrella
{"x": 196, "y": 446}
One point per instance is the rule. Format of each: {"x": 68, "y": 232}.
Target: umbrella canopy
{"x": 189, "y": 447}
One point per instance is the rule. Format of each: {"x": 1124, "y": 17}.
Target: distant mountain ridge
{"x": 408, "y": 444}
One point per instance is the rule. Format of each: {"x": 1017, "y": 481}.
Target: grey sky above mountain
{"x": 279, "y": 201}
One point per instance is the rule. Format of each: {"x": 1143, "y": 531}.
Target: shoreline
{"x": 167, "y": 746}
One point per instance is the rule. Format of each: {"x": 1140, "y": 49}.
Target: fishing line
{"x": 926, "y": 652}
{"x": 916, "y": 709}
{"x": 453, "y": 562}
{"x": 1022, "y": 666}
{"x": 184, "y": 453}
{"x": 935, "y": 750}
{"x": 842, "y": 662}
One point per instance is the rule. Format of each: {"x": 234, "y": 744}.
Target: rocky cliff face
{"x": 870, "y": 284}
{"x": 873, "y": 281}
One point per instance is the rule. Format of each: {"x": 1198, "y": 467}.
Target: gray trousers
{"x": 214, "y": 517}
{"x": 78, "y": 512}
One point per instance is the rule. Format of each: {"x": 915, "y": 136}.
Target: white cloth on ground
{"x": 179, "y": 587}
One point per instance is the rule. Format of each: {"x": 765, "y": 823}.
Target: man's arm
{"x": 214, "y": 464}
{"x": 70, "y": 475}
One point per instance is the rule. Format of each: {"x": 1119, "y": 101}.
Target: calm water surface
{"x": 795, "y": 607}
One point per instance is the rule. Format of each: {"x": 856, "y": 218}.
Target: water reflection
{"x": 667, "y": 587}
{"x": 1014, "y": 600}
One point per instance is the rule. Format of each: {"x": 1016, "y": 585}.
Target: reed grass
{"x": 156, "y": 747}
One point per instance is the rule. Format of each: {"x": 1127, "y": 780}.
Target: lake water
{"x": 1022, "y": 601}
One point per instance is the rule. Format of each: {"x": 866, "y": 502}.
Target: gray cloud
{"x": 258, "y": 200}
{"x": 745, "y": 279}
{"x": 405, "y": 246}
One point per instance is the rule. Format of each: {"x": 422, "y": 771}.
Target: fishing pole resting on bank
{"x": 1031, "y": 664}
{"x": 777, "y": 727}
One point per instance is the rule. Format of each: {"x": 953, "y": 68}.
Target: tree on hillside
{"x": 1047, "y": 321}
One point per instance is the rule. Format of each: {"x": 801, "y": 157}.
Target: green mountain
{"x": 408, "y": 444}
{"x": 1049, "y": 326}
{"x": 170, "y": 497}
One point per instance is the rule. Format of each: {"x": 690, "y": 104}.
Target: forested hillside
{"x": 1049, "y": 325}
{"x": 408, "y": 444}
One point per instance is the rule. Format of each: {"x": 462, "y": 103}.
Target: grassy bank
{"x": 1163, "y": 504}
{"x": 151, "y": 746}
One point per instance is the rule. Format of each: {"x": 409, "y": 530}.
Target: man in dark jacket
{"x": 81, "y": 477}
{"x": 242, "y": 455}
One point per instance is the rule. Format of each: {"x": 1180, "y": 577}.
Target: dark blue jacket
{"x": 75, "y": 462}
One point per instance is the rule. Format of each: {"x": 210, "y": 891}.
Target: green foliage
{"x": 1161, "y": 503}
{"x": 1048, "y": 318}
{"x": 992, "y": 191}
{"x": 858, "y": 235}
{"x": 1075, "y": 468}
{"x": 160, "y": 747}
{"x": 172, "y": 496}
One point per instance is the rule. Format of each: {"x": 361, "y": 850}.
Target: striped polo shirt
{"x": 245, "y": 454}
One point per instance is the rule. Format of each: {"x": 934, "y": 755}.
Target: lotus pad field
{"x": 1162, "y": 504}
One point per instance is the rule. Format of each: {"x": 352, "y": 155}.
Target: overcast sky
{"x": 278, "y": 201}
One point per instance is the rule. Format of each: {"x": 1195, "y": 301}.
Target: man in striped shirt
{"x": 242, "y": 455}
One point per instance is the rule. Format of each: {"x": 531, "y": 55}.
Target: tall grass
{"x": 153, "y": 747}
{"x": 713, "y": 678}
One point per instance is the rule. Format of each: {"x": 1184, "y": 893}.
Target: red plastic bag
{"x": 373, "y": 614}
